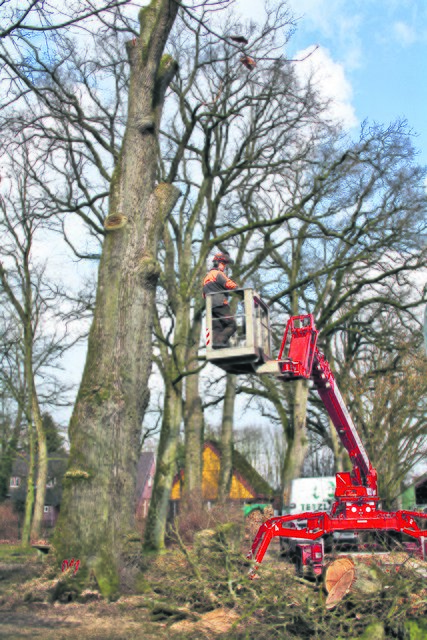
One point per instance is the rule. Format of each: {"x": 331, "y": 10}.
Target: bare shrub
{"x": 140, "y": 523}
{"x": 193, "y": 518}
{"x": 9, "y": 523}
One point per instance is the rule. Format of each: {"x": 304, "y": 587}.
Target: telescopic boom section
{"x": 299, "y": 357}
{"x": 327, "y": 388}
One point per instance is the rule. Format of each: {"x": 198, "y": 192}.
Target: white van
{"x": 314, "y": 494}
{"x": 311, "y": 494}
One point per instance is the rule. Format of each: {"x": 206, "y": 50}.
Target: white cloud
{"x": 404, "y": 33}
{"x": 330, "y": 80}
{"x": 334, "y": 20}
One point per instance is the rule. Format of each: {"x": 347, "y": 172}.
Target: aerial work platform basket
{"x": 249, "y": 346}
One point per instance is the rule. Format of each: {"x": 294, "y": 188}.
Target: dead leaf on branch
{"x": 248, "y": 62}
{"x": 239, "y": 39}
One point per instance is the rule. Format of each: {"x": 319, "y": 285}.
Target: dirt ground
{"x": 71, "y": 621}
{"x": 257, "y": 610}
{"x": 126, "y": 618}
{"x": 130, "y": 617}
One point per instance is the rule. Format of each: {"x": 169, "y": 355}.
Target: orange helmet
{"x": 222, "y": 257}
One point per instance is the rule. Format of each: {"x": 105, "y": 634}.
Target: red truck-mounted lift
{"x": 356, "y": 507}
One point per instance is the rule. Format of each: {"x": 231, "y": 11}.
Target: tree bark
{"x": 193, "y": 422}
{"x": 29, "y": 495}
{"x": 98, "y": 501}
{"x": 297, "y": 441}
{"x": 226, "y": 467}
{"x": 42, "y": 468}
{"x": 166, "y": 455}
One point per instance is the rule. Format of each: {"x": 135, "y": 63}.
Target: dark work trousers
{"x": 223, "y": 324}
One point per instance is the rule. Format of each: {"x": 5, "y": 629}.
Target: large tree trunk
{"x": 297, "y": 442}
{"x": 193, "y": 422}
{"x": 226, "y": 467}
{"x": 98, "y": 501}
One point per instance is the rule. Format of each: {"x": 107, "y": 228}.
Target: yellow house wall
{"x": 176, "y": 490}
{"x": 210, "y": 479}
{"x": 238, "y": 490}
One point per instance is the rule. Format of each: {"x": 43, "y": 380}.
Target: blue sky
{"x": 376, "y": 51}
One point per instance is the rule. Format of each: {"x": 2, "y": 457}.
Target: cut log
{"x": 339, "y": 578}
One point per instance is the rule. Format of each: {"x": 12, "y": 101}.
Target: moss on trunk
{"x": 29, "y": 496}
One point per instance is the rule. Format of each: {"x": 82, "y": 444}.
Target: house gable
{"x": 241, "y": 482}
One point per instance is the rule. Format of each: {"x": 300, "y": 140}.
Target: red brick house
{"x": 144, "y": 483}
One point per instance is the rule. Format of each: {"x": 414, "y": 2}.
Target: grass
{"x": 15, "y": 553}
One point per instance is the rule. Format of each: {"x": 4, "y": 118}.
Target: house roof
{"x": 145, "y": 463}
{"x": 57, "y": 464}
{"x": 249, "y": 474}
{"x": 417, "y": 482}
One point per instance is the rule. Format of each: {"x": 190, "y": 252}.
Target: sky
{"x": 369, "y": 59}
{"x": 371, "y": 55}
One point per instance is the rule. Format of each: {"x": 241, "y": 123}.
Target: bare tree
{"x": 41, "y": 16}
{"x": 232, "y": 132}
{"x": 28, "y": 297}
{"x": 98, "y": 507}
{"x": 350, "y": 255}
{"x": 385, "y": 383}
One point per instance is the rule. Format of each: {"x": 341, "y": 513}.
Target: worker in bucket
{"x": 217, "y": 282}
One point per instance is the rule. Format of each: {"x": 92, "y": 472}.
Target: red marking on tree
{"x": 67, "y": 564}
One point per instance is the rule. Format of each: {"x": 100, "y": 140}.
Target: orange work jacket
{"x": 218, "y": 283}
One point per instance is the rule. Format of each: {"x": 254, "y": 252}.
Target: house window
{"x": 150, "y": 481}
{"x": 15, "y": 482}
{"x": 47, "y": 509}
